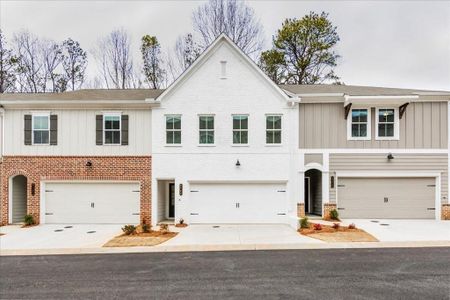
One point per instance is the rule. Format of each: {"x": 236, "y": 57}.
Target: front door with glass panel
{"x": 171, "y": 200}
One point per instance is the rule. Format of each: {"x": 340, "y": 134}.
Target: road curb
{"x": 224, "y": 247}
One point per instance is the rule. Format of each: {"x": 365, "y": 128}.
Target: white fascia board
{"x": 13, "y": 102}
{"x": 207, "y": 52}
{"x": 386, "y": 174}
{"x": 321, "y": 95}
{"x": 373, "y": 151}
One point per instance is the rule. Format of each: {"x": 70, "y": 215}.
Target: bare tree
{"x": 8, "y": 64}
{"x": 30, "y": 71}
{"x": 154, "y": 73}
{"x": 52, "y": 56}
{"x": 74, "y": 61}
{"x": 232, "y": 17}
{"x": 185, "y": 52}
{"x": 115, "y": 60}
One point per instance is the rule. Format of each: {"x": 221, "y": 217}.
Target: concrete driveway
{"x": 404, "y": 230}
{"x": 56, "y": 236}
{"x": 238, "y": 235}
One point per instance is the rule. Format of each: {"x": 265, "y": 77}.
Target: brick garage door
{"x": 92, "y": 203}
{"x": 386, "y": 198}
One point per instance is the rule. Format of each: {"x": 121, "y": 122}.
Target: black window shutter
{"x": 53, "y": 130}
{"x": 27, "y": 129}
{"x": 124, "y": 130}
{"x": 99, "y": 129}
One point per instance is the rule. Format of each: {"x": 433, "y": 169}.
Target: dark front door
{"x": 307, "y": 194}
{"x": 171, "y": 200}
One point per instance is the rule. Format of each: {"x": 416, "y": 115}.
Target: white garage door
{"x": 93, "y": 203}
{"x": 387, "y": 198}
{"x": 238, "y": 203}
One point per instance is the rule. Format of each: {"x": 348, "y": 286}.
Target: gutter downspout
{"x": 2, "y": 133}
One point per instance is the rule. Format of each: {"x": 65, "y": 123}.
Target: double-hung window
{"x": 240, "y": 129}
{"x": 41, "y": 129}
{"x": 273, "y": 129}
{"x": 359, "y": 124}
{"x": 206, "y": 130}
{"x": 112, "y": 127}
{"x": 387, "y": 124}
{"x": 173, "y": 129}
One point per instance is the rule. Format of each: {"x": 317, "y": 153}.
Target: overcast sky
{"x": 383, "y": 43}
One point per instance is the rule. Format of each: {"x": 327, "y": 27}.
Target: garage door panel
{"x": 108, "y": 203}
{"x": 238, "y": 203}
{"x": 409, "y": 198}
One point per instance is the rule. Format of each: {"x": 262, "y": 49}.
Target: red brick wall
{"x": 445, "y": 211}
{"x": 39, "y": 168}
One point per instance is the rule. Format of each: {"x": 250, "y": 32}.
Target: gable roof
{"x": 354, "y": 90}
{"x": 222, "y": 38}
{"x": 88, "y": 94}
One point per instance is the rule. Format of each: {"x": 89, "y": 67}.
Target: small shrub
{"x": 145, "y": 228}
{"x": 352, "y": 226}
{"x": 164, "y": 228}
{"x": 29, "y": 220}
{"x": 304, "y": 223}
{"x": 317, "y": 226}
{"x": 129, "y": 229}
{"x": 336, "y": 226}
{"x": 334, "y": 215}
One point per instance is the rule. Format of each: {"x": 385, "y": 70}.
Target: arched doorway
{"x": 313, "y": 192}
{"x": 18, "y": 199}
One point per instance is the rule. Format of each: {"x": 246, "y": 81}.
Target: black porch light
{"x": 88, "y": 163}
{"x": 390, "y": 156}
{"x": 238, "y": 164}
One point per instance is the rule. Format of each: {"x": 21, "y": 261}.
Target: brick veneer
{"x": 301, "y": 210}
{"x": 327, "y": 207}
{"x": 40, "y": 168}
{"x": 445, "y": 211}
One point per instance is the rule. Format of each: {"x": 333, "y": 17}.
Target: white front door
{"x": 238, "y": 203}
{"x": 93, "y": 203}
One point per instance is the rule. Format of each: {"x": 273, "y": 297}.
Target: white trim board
{"x": 365, "y": 150}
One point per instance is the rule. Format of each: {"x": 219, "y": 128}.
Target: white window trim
{"x": 180, "y": 130}
{"x": 213, "y": 130}
{"x": 248, "y": 131}
{"x": 112, "y": 114}
{"x": 396, "y": 136}
{"x": 369, "y": 125}
{"x": 40, "y": 114}
{"x": 281, "y": 130}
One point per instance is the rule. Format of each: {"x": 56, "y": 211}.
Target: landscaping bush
{"x": 336, "y": 226}
{"x": 29, "y": 220}
{"x": 352, "y": 226}
{"x": 129, "y": 229}
{"x": 317, "y": 226}
{"x": 146, "y": 228}
{"x": 334, "y": 215}
{"x": 304, "y": 223}
{"x": 164, "y": 228}
{"x": 181, "y": 221}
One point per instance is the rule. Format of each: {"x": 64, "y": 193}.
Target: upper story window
{"x": 173, "y": 129}
{"x": 41, "y": 129}
{"x": 358, "y": 126}
{"x": 112, "y": 129}
{"x": 273, "y": 129}
{"x": 206, "y": 130}
{"x": 240, "y": 129}
{"x": 387, "y": 124}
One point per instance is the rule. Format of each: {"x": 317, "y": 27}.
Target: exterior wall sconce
{"x": 88, "y": 163}
{"x": 390, "y": 156}
{"x": 180, "y": 189}
{"x": 238, "y": 164}
{"x": 33, "y": 189}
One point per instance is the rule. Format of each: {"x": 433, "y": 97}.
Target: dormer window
{"x": 223, "y": 69}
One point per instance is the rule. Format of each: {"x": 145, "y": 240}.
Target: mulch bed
{"x": 342, "y": 234}
{"x": 140, "y": 239}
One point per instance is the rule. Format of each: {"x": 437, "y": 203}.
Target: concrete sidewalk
{"x": 224, "y": 247}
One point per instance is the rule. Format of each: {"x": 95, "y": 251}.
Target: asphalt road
{"x": 419, "y": 273}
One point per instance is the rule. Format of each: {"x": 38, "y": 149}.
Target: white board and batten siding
{"x": 76, "y": 134}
